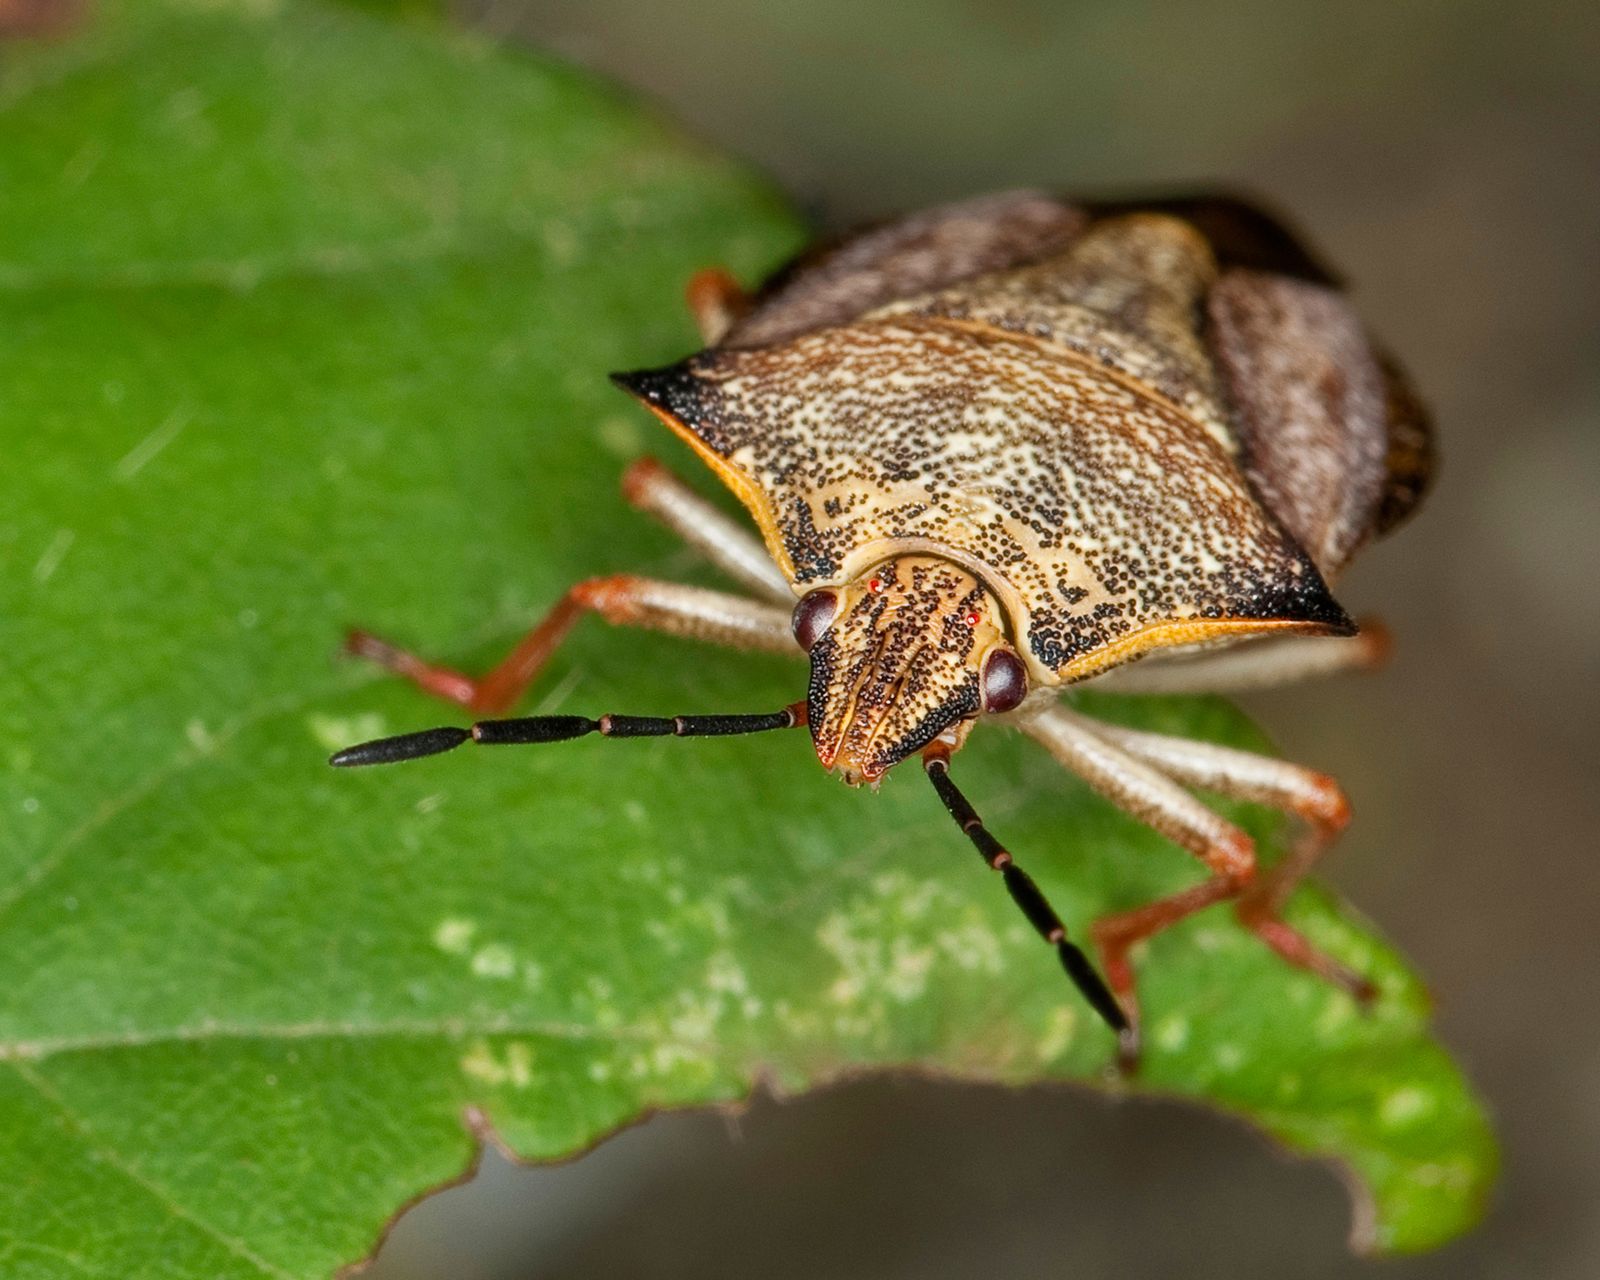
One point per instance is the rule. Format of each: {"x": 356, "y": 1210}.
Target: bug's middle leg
{"x": 715, "y": 617}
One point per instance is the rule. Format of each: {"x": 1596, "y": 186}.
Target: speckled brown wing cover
{"x": 1143, "y": 427}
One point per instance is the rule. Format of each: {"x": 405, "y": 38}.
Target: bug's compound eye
{"x": 812, "y": 616}
{"x": 1005, "y": 681}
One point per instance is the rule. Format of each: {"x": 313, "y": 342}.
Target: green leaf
{"x": 306, "y": 319}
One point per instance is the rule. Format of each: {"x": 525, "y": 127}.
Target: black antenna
{"x": 526, "y": 729}
{"x": 1026, "y": 894}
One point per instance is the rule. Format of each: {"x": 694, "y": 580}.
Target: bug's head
{"x": 912, "y": 649}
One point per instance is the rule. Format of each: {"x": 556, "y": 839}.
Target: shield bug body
{"x": 1003, "y": 447}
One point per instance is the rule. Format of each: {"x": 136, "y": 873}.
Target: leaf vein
{"x": 449, "y": 1028}
{"x": 114, "y": 1159}
{"x": 148, "y": 785}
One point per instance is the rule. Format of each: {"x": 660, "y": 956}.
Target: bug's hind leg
{"x": 1260, "y": 911}
{"x": 693, "y": 612}
{"x": 1255, "y": 664}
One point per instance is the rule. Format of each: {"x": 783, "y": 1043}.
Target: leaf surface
{"x": 306, "y": 319}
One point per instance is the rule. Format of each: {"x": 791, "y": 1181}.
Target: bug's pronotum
{"x": 1005, "y": 446}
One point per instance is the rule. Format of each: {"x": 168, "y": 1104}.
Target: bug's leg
{"x": 533, "y": 729}
{"x": 716, "y": 300}
{"x": 1258, "y": 664}
{"x": 1243, "y": 775}
{"x": 651, "y": 488}
{"x": 694, "y": 612}
{"x": 1025, "y": 893}
{"x": 1145, "y": 792}
{"x": 1116, "y": 935}
{"x": 1155, "y": 799}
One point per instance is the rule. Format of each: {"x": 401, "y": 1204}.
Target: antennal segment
{"x": 1027, "y": 895}
{"x": 530, "y": 729}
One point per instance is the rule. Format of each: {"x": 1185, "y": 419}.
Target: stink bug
{"x": 1002, "y": 447}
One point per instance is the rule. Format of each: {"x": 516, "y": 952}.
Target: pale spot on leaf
{"x": 1170, "y": 1033}
{"x": 1404, "y": 1106}
{"x": 453, "y": 935}
{"x": 494, "y": 961}
{"x": 1059, "y": 1030}
{"x": 620, "y": 436}
{"x": 1339, "y": 1010}
{"x": 514, "y": 1066}
{"x": 333, "y": 733}
{"x": 200, "y": 737}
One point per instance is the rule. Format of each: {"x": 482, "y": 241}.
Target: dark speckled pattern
{"x": 1061, "y": 425}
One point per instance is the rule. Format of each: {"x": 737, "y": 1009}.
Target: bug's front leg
{"x": 715, "y": 617}
{"x": 716, "y": 300}
{"x": 712, "y": 616}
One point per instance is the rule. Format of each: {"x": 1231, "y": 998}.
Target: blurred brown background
{"x": 1447, "y": 155}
